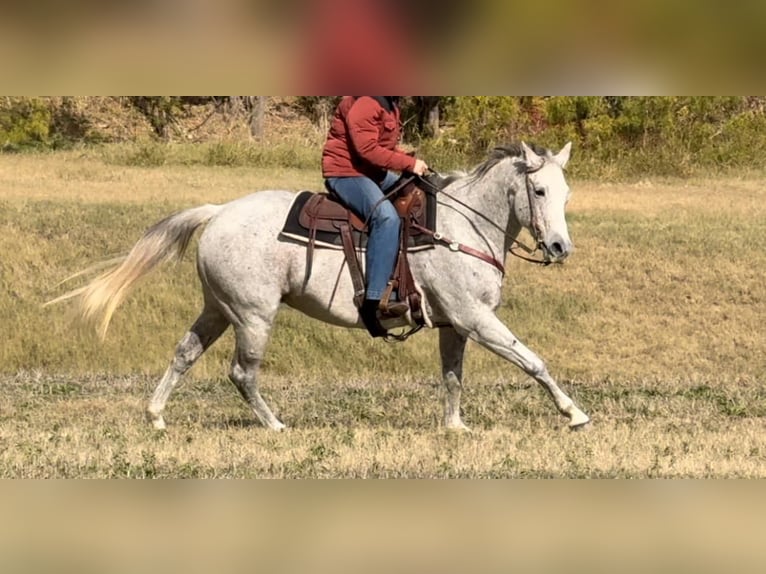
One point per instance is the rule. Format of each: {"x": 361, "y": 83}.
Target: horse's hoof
{"x": 578, "y": 419}
{"x": 457, "y": 427}
{"x": 581, "y": 427}
{"x": 158, "y": 423}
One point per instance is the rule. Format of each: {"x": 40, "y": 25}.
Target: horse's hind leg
{"x": 206, "y": 330}
{"x": 251, "y": 345}
{"x": 452, "y": 350}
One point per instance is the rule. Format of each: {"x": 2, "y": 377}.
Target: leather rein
{"x": 459, "y": 247}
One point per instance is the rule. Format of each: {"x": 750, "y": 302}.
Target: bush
{"x": 69, "y": 125}
{"x": 318, "y": 109}
{"x": 141, "y": 154}
{"x": 160, "y": 111}
{"x": 614, "y": 136}
{"x": 232, "y": 154}
{"x": 220, "y": 154}
{"x": 24, "y": 123}
{"x": 482, "y": 122}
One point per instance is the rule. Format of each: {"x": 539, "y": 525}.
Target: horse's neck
{"x": 491, "y": 212}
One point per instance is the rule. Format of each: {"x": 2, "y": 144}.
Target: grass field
{"x": 655, "y": 327}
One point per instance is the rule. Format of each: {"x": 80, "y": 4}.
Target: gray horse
{"x": 247, "y": 271}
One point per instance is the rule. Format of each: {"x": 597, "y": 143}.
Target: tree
{"x": 318, "y": 108}
{"x": 160, "y": 111}
{"x": 428, "y": 114}
{"x": 257, "y": 108}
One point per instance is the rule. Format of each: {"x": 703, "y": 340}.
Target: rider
{"x": 361, "y": 150}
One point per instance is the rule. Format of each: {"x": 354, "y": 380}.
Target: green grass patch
{"x": 217, "y": 154}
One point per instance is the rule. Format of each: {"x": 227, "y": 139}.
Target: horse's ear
{"x": 533, "y": 161}
{"x": 563, "y": 156}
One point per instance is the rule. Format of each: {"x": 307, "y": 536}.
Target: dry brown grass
{"x": 655, "y": 326}
{"x": 84, "y": 177}
{"x": 93, "y": 427}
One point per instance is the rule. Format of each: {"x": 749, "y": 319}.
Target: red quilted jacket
{"x": 363, "y": 140}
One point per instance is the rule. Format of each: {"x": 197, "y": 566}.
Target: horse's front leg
{"x": 452, "y": 350}
{"x": 487, "y": 330}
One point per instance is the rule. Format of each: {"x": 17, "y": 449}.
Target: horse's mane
{"x": 502, "y": 152}
{"x": 512, "y": 150}
{"x": 452, "y": 177}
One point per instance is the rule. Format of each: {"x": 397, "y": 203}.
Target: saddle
{"x": 321, "y": 220}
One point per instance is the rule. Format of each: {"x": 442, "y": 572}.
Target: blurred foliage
{"x": 614, "y": 136}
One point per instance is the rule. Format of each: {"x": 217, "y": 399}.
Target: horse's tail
{"x": 165, "y": 240}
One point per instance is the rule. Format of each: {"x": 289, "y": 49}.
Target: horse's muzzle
{"x": 557, "y": 249}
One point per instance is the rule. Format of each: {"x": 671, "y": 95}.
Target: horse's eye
{"x": 540, "y": 192}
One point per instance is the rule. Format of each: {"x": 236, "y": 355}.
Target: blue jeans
{"x": 361, "y": 194}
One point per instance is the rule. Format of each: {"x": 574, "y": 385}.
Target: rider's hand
{"x": 421, "y": 168}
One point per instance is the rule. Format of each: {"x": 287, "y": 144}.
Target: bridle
{"x": 535, "y": 220}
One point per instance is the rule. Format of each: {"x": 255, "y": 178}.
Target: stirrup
{"x": 393, "y": 310}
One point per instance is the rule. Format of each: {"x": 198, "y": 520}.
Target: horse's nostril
{"x": 557, "y": 249}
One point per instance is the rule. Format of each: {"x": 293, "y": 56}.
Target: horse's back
{"x": 248, "y": 217}
{"x": 242, "y": 238}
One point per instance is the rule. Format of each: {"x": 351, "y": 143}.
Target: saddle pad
{"x": 293, "y": 230}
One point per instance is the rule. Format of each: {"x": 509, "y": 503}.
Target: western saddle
{"x": 321, "y": 220}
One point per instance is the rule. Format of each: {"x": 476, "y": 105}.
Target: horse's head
{"x": 541, "y": 210}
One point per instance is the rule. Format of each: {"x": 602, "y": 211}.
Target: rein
{"x": 455, "y": 246}
{"x": 541, "y": 262}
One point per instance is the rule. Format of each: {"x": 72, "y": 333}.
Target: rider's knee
{"x": 386, "y": 215}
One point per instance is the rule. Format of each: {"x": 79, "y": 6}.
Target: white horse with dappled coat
{"x": 247, "y": 272}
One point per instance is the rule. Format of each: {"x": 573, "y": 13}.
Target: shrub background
{"x": 617, "y": 137}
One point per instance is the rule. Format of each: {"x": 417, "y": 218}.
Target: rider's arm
{"x": 365, "y": 120}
